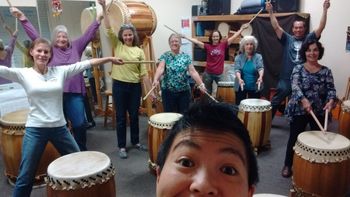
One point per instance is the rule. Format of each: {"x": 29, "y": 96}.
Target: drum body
{"x": 344, "y": 119}
{"x": 226, "y": 92}
{"x": 12, "y": 136}
{"x": 80, "y": 174}
{"x": 255, "y": 114}
{"x": 321, "y": 164}
{"x": 139, "y": 14}
{"x": 159, "y": 124}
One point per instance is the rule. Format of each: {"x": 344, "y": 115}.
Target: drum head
{"x": 322, "y": 148}
{"x": 345, "y": 106}
{"x": 118, "y": 15}
{"x": 255, "y": 105}
{"x": 224, "y": 29}
{"x": 248, "y": 31}
{"x": 16, "y": 118}
{"x": 87, "y": 17}
{"x": 78, "y": 165}
{"x": 226, "y": 83}
{"x": 164, "y": 120}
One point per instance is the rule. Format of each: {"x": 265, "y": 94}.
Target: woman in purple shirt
{"x": 7, "y": 51}
{"x": 64, "y": 52}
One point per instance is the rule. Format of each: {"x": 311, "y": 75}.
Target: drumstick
{"x": 8, "y": 1}
{"x": 326, "y": 120}
{"x": 109, "y": 6}
{"x": 210, "y": 96}
{"x": 318, "y": 122}
{"x": 251, "y": 20}
{"x": 259, "y": 86}
{"x": 139, "y": 62}
{"x": 242, "y": 86}
{"x": 16, "y": 27}
{"x": 148, "y": 93}
{"x": 171, "y": 29}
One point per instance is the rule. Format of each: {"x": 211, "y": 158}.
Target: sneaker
{"x": 91, "y": 125}
{"x": 123, "y": 154}
{"x": 141, "y": 147}
{"x": 286, "y": 172}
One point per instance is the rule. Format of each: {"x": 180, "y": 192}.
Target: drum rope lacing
{"x": 13, "y": 129}
{"x": 250, "y": 108}
{"x": 321, "y": 156}
{"x": 100, "y": 178}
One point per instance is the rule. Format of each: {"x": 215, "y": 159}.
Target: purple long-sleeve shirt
{"x": 70, "y": 55}
{"x": 7, "y": 61}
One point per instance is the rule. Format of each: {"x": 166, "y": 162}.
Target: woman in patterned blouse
{"x": 175, "y": 85}
{"x": 312, "y": 89}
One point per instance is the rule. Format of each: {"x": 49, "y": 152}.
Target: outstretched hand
{"x": 326, "y": 4}
{"x": 102, "y": 2}
{"x": 268, "y": 6}
{"x": 116, "y": 60}
{"x": 17, "y": 13}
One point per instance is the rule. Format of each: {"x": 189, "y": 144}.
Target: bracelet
{"x": 202, "y": 85}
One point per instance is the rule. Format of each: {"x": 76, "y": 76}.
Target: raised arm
{"x": 318, "y": 31}
{"x": 106, "y": 19}
{"x": 103, "y": 60}
{"x": 276, "y": 26}
{"x": 195, "y": 41}
{"x": 27, "y": 25}
{"x": 237, "y": 34}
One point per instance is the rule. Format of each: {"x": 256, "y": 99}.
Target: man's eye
{"x": 186, "y": 162}
{"x": 229, "y": 170}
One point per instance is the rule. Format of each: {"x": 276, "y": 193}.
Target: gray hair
{"x": 58, "y": 29}
{"x": 131, "y": 27}
{"x": 174, "y": 35}
{"x": 248, "y": 39}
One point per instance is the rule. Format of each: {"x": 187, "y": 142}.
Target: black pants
{"x": 297, "y": 126}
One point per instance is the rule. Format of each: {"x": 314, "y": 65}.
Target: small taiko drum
{"x": 344, "y": 119}
{"x": 255, "y": 114}
{"x": 321, "y": 164}
{"x": 159, "y": 124}
{"x": 13, "y": 129}
{"x": 141, "y": 15}
{"x": 225, "y": 92}
{"x": 87, "y": 173}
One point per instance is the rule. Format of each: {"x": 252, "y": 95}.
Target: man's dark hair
{"x": 215, "y": 118}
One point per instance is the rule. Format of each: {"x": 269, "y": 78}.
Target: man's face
{"x": 298, "y": 29}
{"x": 200, "y": 163}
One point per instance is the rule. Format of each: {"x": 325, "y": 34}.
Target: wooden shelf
{"x": 244, "y": 17}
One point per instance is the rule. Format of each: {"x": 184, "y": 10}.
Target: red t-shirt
{"x": 215, "y": 57}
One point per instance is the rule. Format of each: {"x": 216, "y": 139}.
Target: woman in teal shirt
{"x": 175, "y": 67}
{"x": 249, "y": 70}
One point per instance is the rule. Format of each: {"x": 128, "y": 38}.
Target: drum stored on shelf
{"x": 159, "y": 124}
{"x": 225, "y": 92}
{"x": 321, "y": 164}
{"x": 344, "y": 119}
{"x": 139, "y": 14}
{"x": 13, "y": 129}
{"x": 87, "y": 173}
{"x": 256, "y": 116}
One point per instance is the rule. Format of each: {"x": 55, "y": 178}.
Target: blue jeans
{"x": 127, "y": 97}
{"x": 176, "y": 101}
{"x": 208, "y": 80}
{"x": 74, "y": 110}
{"x": 284, "y": 89}
{"x": 33, "y": 146}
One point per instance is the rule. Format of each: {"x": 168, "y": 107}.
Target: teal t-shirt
{"x": 175, "y": 74}
{"x": 249, "y": 75}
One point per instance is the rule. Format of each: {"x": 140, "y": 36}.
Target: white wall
{"x": 29, "y": 3}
